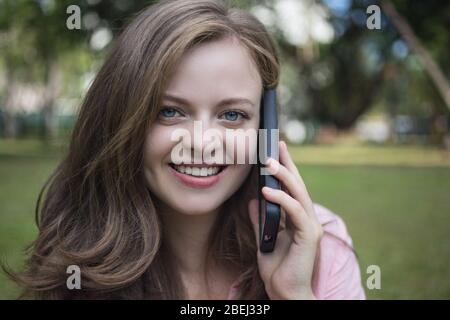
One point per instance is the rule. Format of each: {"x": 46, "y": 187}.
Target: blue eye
{"x": 169, "y": 112}
{"x": 232, "y": 115}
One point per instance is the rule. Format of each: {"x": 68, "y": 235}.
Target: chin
{"x": 198, "y": 206}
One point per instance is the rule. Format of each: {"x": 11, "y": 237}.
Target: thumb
{"x": 254, "y": 218}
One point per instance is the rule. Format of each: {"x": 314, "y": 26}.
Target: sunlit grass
{"x": 405, "y": 155}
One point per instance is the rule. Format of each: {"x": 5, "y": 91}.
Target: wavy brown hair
{"x": 96, "y": 210}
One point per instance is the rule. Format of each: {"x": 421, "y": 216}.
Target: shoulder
{"x": 332, "y": 223}
{"x": 336, "y": 271}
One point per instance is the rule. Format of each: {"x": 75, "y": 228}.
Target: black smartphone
{"x": 269, "y": 212}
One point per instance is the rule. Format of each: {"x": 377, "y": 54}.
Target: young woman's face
{"x": 208, "y": 75}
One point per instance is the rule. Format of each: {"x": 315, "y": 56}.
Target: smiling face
{"x": 215, "y": 86}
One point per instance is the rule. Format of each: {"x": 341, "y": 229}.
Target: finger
{"x": 288, "y": 180}
{"x": 282, "y": 220}
{"x": 254, "y": 218}
{"x": 286, "y": 160}
{"x": 295, "y": 213}
{"x": 294, "y": 185}
{"x": 289, "y": 225}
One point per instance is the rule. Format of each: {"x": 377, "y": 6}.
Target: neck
{"x": 188, "y": 238}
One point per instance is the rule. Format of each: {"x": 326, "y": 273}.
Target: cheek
{"x": 157, "y": 146}
{"x": 241, "y": 145}
{"x": 235, "y": 179}
{"x": 156, "y": 153}
{"x": 240, "y": 173}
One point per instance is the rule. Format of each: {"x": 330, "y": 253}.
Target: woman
{"x": 140, "y": 226}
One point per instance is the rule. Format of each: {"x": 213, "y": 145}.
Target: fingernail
{"x": 270, "y": 166}
{"x": 267, "y": 189}
{"x": 273, "y": 166}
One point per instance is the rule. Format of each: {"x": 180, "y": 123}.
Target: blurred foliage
{"x": 363, "y": 68}
{"x": 329, "y": 82}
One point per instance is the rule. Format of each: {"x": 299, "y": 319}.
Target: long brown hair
{"x": 96, "y": 211}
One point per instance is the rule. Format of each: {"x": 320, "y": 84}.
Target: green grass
{"x": 21, "y": 177}
{"x": 362, "y": 154}
{"x": 394, "y": 200}
{"x": 399, "y": 219}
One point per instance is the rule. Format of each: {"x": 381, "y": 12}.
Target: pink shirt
{"x": 336, "y": 272}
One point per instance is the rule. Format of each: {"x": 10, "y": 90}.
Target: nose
{"x": 203, "y": 139}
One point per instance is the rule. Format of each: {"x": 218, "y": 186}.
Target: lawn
{"x": 394, "y": 200}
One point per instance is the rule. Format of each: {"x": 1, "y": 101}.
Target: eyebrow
{"x": 222, "y": 103}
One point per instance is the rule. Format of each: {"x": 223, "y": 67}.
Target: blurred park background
{"x": 364, "y": 104}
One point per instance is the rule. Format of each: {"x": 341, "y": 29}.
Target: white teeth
{"x": 196, "y": 171}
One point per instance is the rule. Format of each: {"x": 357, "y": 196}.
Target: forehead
{"x": 215, "y": 70}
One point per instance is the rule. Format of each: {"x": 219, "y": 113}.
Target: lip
{"x": 201, "y": 165}
{"x": 197, "y": 182}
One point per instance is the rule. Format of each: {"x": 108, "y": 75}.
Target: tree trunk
{"x": 431, "y": 67}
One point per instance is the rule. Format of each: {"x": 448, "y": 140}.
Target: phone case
{"x": 269, "y": 212}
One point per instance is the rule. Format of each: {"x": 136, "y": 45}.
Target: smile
{"x": 197, "y": 171}
{"x": 197, "y": 176}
